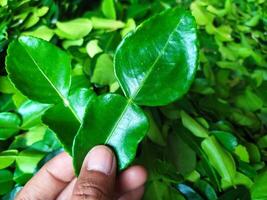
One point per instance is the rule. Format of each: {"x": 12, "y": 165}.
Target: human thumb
{"x": 97, "y": 176}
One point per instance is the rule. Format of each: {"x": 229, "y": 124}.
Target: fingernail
{"x": 100, "y": 159}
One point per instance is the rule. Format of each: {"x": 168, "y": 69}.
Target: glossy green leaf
{"x": 31, "y": 113}
{"x": 74, "y": 29}
{"x": 66, "y": 127}
{"x": 167, "y": 71}
{"x": 6, "y": 182}
{"x": 7, "y": 158}
{"x": 227, "y": 139}
{"x": 9, "y": 125}
{"x": 39, "y": 78}
{"x": 114, "y": 121}
{"x": 220, "y": 159}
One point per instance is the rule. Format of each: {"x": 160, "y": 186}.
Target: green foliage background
{"x": 211, "y": 144}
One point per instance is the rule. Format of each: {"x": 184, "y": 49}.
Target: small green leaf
{"x": 242, "y": 153}
{"x": 239, "y": 179}
{"x": 228, "y": 140}
{"x": 189, "y": 192}
{"x": 69, "y": 43}
{"x": 193, "y": 126}
{"x": 108, "y": 9}
{"x": 6, "y": 183}
{"x": 7, "y": 158}
{"x": 249, "y": 101}
{"x": 181, "y": 154}
{"x": 167, "y": 71}
{"x": 114, "y": 121}
{"x": 39, "y": 78}
{"x": 74, "y": 29}
{"x": 42, "y": 32}
{"x": 220, "y": 159}
{"x": 21, "y": 177}
{"x": 92, "y": 48}
{"x": 207, "y": 189}
{"x": 154, "y": 133}
{"x": 110, "y": 24}
{"x": 104, "y": 72}
{"x": 28, "y": 159}
{"x": 6, "y": 86}
{"x": 34, "y": 134}
{"x": 9, "y": 125}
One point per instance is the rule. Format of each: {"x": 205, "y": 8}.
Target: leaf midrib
{"x": 129, "y": 101}
{"x": 64, "y": 100}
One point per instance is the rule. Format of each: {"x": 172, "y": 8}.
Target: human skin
{"x": 97, "y": 180}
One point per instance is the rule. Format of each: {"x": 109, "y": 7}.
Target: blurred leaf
{"x": 188, "y": 192}
{"x": 258, "y": 190}
{"x": 28, "y": 159}
{"x": 31, "y": 112}
{"x": 228, "y": 140}
{"x": 74, "y": 29}
{"x": 158, "y": 190}
{"x": 103, "y": 72}
{"x": 42, "y": 32}
{"x": 108, "y": 9}
{"x": 7, "y": 158}
{"x": 193, "y": 126}
{"x": 6, "y": 183}
{"x": 220, "y": 159}
{"x": 9, "y": 124}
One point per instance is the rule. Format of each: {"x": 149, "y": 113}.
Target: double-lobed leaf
{"x": 156, "y": 64}
{"x": 114, "y": 121}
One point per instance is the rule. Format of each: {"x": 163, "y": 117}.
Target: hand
{"x": 97, "y": 179}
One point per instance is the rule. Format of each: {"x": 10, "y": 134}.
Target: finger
{"x": 134, "y": 194}
{"x": 97, "y": 176}
{"x": 132, "y": 178}
{"x": 67, "y": 192}
{"x": 50, "y": 180}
